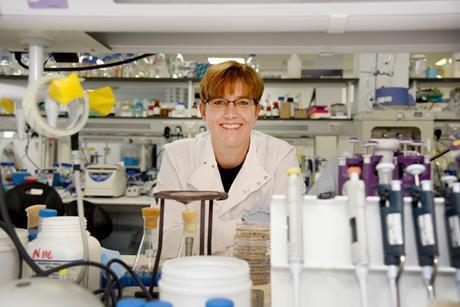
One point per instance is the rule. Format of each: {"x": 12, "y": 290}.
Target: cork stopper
{"x": 32, "y": 215}
{"x": 190, "y": 220}
{"x": 354, "y": 169}
{"x": 150, "y": 217}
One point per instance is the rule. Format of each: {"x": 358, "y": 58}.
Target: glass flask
{"x": 189, "y": 242}
{"x": 145, "y": 258}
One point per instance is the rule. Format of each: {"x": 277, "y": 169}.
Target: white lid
{"x": 215, "y": 270}
{"x": 385, "y": 167}
{"x": 456, "y": 187}
{"x": 415, "y": 169}
{"x": 396, "y": 185}
{"x": 426, "y": 185}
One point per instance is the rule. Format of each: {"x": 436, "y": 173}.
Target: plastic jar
{"x": 59, "y": 242}
{"x": 418, "y": 66}
{"x": 192, "y": 281}
{"x": 9, "y": 256}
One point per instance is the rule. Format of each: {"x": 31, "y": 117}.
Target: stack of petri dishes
{"x": 252, "y": 243}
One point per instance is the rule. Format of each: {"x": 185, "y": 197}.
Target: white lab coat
{"x": 190, "y": 164}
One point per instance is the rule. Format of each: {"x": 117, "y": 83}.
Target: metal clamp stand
{"x": 186, "y": 197}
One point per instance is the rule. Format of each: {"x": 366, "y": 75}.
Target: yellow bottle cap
{"x": 66, "y": 89}
{"x": 7, "y": 105}
{"x": 190, "y": 218}
{"x": 101, "y": 100}
{"x": 293, "y": 170}
{"x": 150, "y": 217}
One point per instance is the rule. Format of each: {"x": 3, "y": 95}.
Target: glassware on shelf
{"x": 418, "y": 66}
{"x": 177, "y": 66}
{"x": 145, "y": 257}
{"x": 189, "y": 242}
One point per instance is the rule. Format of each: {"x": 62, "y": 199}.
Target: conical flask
{"x": 145, "y": 258}
{"x": 189, "y": 243}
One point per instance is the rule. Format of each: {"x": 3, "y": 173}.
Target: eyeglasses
{"x": 243, "y": 103}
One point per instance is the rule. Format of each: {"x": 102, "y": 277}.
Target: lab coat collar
{"x": 251, "y": 177}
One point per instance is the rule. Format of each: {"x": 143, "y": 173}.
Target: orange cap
{"x": 150, "y": 217}
{"x": 354, "y": 169}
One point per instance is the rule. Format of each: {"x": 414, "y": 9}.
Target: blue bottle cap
{"x": 47, "y": 213}
{"x": 131, "y": 302}
{"x": 157, "y": 304}
{"x": 219, "y": 302}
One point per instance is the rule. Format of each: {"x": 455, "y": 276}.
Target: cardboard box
{"x": 301, "y": 113}
{"x": 285, "y": 110}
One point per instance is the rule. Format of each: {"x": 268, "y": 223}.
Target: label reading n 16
{"x": 394, "y": 229}
{"x": 426, "y": 229}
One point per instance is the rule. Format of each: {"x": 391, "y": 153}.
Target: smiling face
{"x": 230, "y": 127}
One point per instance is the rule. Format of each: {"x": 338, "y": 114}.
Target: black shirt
{"x": 228, "y": 175}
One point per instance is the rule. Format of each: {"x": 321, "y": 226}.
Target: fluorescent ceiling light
{"x": 441, "y": 62}
{"x": 220, "y": 60}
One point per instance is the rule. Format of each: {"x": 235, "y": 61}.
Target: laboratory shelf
{"x": 184, "y": 80}
{"x": 435, "y": 80}
{"x": 154, "y": 127}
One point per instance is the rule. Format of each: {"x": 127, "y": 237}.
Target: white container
{"x": 191, "y": 281}
{"x": 294, "y": 67}
{"x": 59, "y": 242}
{"x": 418, "y": 66}
{"x": 9, "y": 261}
{"x": 456, "y": 64}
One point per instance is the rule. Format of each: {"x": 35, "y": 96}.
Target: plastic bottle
{"x": 145, "y": 257}
{"x": 276, "y": 110}
{"x": 294, "y": 67}
{"x": 45, "y": 213}
{"x": 180, "y": 110}
{"x": 189, "y": 242}
{"x": 60, "y": 242}
{"x": 156, "y": 108}
{"x": 177, "y": 66}
{"x": 219, "y": 302}
{"x": 138, "y": 110}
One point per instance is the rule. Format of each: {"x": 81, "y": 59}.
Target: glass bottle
{"x": 189, "y": 240}
{"x": 145, "y": 258}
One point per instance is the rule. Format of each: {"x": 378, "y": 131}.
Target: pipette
{"x": 295, "y": 231}
{"x": 392, "y": 222}
{"x": 451, "y": 195}
{"x": 425, "y": 227}
{"x": 356, "y": 201}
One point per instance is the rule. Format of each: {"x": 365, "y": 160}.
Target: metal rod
{"x": 211, "y": 204}
{"x": 202, "y": 225}
{"x": 160, "y": 245}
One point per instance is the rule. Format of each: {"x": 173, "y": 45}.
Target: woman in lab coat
{"x": 249, "y": 165}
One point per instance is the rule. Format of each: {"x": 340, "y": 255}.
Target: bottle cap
{"x": 131, "y": 302}
{"x": 190, "y": 218}
{"x": 157, "y": 304}
{"x": 47, "y": 213}
{"x": 293, "y": 170}
{"x": 354, "y": 169}
{"x": 150, "y": 217}
{"x": 219, "y": 302}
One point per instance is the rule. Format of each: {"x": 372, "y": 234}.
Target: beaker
{"x": 145, "y": 257}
